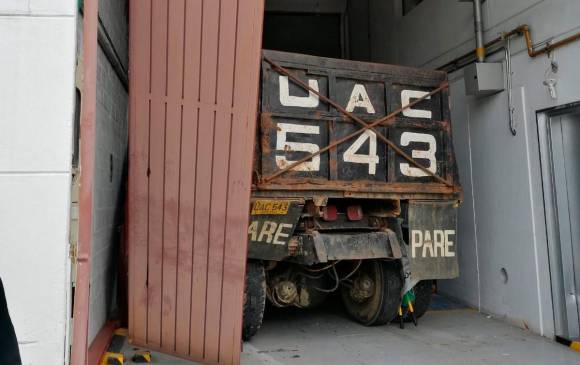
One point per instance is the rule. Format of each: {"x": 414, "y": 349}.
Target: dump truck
{"x": 354, "y": 190}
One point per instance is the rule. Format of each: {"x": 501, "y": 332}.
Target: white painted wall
{"x": 37, "y": 59}
{"x": 501, "y": 221}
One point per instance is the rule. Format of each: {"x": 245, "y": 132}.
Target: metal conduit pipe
{"x": 525, "y": 31}
{"x": 478, "y": 22}
{"x": 503, "y": 42}
{"x": 511, "y": 108}
{"x": 490, "y": 47}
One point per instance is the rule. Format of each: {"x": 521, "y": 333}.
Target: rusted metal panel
{"x": 194, "y": 94}
{"x": 297, "y": 120}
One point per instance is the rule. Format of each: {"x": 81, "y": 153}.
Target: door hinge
{"x": 73, "y": 252}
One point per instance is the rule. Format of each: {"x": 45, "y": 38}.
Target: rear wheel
{"x": 254, "y": 299}
{"x": 373, "y": 296}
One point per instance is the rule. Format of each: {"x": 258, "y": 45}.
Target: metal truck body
{"x": 331, "y": 195}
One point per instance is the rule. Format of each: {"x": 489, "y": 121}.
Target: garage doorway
{"x": 559, "y": 132}
{"x": 312, "y": 33}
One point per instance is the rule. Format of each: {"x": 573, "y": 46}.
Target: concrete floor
{"x": 449, "y": 336}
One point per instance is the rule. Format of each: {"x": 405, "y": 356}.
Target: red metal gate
{"x": 194, "y": 69}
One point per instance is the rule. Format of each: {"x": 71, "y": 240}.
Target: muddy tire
{"x": 373, "y": 297}
{"x": 254, "y": 299}
{"x": 423, "y": 291}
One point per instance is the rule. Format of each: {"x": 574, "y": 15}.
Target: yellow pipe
{"x": 525, "y": 31}
{"x": 522, "y": 30}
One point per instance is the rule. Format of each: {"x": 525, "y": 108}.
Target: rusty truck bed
{"x": 314, "y": 110}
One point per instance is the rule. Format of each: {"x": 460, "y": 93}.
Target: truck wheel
{"x": 254, "y": 299}
{"x": 423, "y": 291}
{"x": 373, "y": 296}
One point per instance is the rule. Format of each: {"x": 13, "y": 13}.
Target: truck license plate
{"x": 270, "y": 207}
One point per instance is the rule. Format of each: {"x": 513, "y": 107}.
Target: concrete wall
{"x": 358, "y": 30}
{"x": 37, "y": 61}
{"x": 110, "y": 168}
{"x": 501, "y": 221}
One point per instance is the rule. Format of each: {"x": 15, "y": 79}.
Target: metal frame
{"x": 561, "y": 274}
{"x": 79, "y": 355}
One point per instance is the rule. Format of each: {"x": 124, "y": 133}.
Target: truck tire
{"x": 254, "y": 299}
{"x": 423, "y": 291}
{"x": 374, "y": 295}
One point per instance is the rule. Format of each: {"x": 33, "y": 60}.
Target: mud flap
{"x": 432, "y": 249}
{"x": 272, "y": 224}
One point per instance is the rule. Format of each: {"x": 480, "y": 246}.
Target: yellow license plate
{"x": 263, "y": 207}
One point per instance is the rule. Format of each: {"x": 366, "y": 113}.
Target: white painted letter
{"x": 283, "y": 145}
{"x": 280, "y": 234}
{"x": 268, "y": 229}
{"x": 438, "y": 243}
{"x": 310, "y": 101}
{"x": 449, "y": 243}
{"x": 408, "y": 137}
{"x": 416, "y": 241}
{"x": 360, "y": 98}
{"x": 351, "y": 155}
{"x": 427, "y": 244}
{"x": 253, "y": 230}
{"x": 406, "y": 96}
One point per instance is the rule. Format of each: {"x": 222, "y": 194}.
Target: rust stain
{"x": 267, "y": 124}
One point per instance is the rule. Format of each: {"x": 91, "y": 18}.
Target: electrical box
{"x": 482, "y": 78}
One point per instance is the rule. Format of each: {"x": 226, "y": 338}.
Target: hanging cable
{"x": 511, "y": 109}
{"x": 337, "y": 283}
{"x": 322, "y": 269}
{"x": 314, "y": 277}
{"x": 353, "y": 271}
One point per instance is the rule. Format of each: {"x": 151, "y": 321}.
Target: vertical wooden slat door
{"x": 194, "y": 70}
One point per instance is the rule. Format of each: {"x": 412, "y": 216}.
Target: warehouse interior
{"x": 519, "y": 248}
